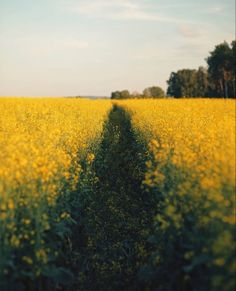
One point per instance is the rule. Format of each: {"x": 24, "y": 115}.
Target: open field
{"x": 101, "y": 195}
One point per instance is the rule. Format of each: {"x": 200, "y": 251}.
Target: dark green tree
{"x": 125, "y": 94}
{"x": 202, "y": 83}
{"x": 174, "y": 88}
{"x": 221, "y": 69}
{"x": 188, "y": 83}
{"x": 120, "y": 95}
{"x": 233, "y": 69}
{"x": 182, "y": 83}
{"x": 153, "y": 92}
{"x": 115, "y": 95}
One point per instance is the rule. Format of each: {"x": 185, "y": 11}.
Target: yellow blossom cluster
{"x": 192, "y": 173}
{"x": 42, "y": 142}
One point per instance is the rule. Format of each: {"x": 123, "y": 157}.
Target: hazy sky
{"x": 93, "y": 47}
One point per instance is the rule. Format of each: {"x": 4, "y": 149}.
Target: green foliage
{"x": 153, "y": 92}
{"x": 48, "y": 269}
{"x": 191, "y": 249}
{"x": 115, "y": 95}
{"x": 217, "y": 81}
{"x": 188, "y": 83}
{"x": 116, "y": 213}
{"x": 120, "y": 95}
{"x": 221, "y": 68}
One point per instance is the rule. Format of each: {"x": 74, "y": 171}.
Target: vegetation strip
{"x": 117, "y": 212}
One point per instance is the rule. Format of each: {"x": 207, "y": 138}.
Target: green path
{"x": 116, "y": 214}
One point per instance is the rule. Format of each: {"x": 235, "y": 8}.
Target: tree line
{"x": 217, "y": 80}
{"x": 151, "y": 92}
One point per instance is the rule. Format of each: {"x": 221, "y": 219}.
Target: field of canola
{"x": 42, "y": 142}
{"x": 191, "y": 173}
{"x": 133, "y": 195}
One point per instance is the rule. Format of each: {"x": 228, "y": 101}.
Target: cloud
{"x": 119, "y": 10}
{"x": 188, "y": 32}
{"x": 137, "y": 14}
{"x": 99, "y": 6}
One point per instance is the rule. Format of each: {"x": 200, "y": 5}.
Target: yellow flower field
{"x": 192, "y": 173}
{"x": 42, "y": 142}
{"x": 95, "y": 193}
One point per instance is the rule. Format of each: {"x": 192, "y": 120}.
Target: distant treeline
{"x": 151, "y": 92}
{"x": 217, "y": 80}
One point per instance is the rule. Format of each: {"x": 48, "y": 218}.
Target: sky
{"x": 94, "y": 47}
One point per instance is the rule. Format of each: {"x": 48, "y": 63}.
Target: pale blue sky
{"x": 93, "y": 47}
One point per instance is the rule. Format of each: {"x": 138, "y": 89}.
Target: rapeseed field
{"x": 42, "y": 143}
{"x": 191, "y": 172}
{"x": 101, "y": 195}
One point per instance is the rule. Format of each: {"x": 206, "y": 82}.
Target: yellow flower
{"x": 90, "y": 158}
{"x": 41, "y": 255}
{"x": 11, "y": 204}
{"x": 14, "y": 241}
{"x": 27, "y": 260}
{"x": 65, "y": 215}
